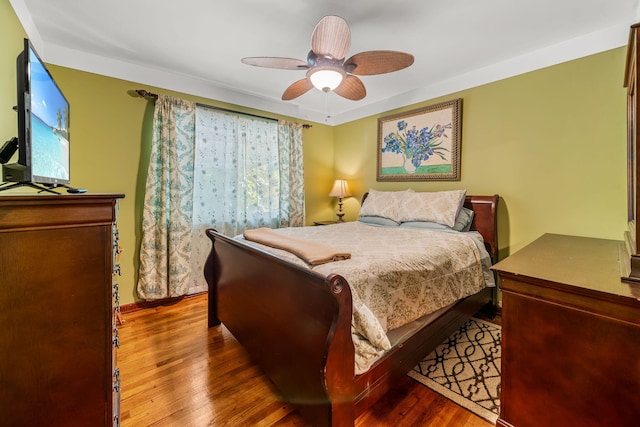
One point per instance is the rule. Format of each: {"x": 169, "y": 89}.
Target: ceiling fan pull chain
{"x": 327, "y": 106}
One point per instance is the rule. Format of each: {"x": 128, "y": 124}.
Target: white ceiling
{"x": 195, "y": 46}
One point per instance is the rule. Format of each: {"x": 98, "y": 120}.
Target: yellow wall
{"x": 11, "y": 36}
{"x": 551, "y": 143}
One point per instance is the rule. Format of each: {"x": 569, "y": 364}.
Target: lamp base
{"x": 340, "y": 214}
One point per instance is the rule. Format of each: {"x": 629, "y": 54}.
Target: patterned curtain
{"x": 168, "y": 202}
{"x": 248, "y": 174}
{"x": 292, "y": 171}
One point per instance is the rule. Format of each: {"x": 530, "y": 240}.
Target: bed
{"x": 296, "y": 323}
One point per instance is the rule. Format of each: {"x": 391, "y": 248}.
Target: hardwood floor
{"x": 174, "y": 371}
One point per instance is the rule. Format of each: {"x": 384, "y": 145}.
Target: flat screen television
{"x": 43, "y": 125}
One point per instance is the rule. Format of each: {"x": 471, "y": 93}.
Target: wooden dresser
{"x": 57, "y": 328}
{"x": 571, "y": 336}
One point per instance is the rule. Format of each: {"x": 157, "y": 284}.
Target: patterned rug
{"x": 466, "y": 368}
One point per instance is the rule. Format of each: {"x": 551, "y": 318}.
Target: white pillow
{"x": 438, "y": 206}
{"x": 385, "y": 204}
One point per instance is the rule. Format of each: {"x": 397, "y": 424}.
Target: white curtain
{"x": 248, "y": 174}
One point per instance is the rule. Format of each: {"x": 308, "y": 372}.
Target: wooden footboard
{"x": 294, "y": 323}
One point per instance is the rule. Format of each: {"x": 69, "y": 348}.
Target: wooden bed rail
{"x": 295, "y": 324}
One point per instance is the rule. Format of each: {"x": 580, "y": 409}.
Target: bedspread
{"x": 396, "y": 275}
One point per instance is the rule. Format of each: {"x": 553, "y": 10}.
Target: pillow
{"x": 463, "y": 222}
{"x": 440, "y": 206}
{"x": 385, "y": 204}
{"x": 378, "y": 220}
{"x": 464, "y": 219}
{"x": 426, "y": 225}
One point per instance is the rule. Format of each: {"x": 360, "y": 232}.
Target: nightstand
{"x": 324, "y": 222}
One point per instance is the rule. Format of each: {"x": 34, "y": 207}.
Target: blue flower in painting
{"x": 416, "y": 144}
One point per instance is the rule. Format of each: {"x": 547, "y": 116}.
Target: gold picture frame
{"x": 421, "y": 145}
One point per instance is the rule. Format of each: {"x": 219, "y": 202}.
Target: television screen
{"x": 49, "y": 124}
{"x": 43, "y": 128}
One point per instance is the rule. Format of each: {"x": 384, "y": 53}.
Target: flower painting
{"x": 421, "y": 145}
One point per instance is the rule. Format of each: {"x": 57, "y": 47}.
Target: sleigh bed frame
{"x": 296, "y": 325}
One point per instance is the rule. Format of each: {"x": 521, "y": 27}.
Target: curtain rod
{"x": 146, "y": 94}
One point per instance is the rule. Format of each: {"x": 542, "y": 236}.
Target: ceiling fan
{"x": 326, "y": 66}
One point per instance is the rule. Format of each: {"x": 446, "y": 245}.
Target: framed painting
{"x": 421, "y": 145}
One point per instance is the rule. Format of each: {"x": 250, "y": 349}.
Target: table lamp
{"x": 340, "y": 189}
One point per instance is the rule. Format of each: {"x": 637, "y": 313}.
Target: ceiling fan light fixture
{"x": 327, "y": 68}
{"x": 326, "y": 78}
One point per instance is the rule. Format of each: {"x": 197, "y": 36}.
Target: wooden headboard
{"x": 484, "y": 220}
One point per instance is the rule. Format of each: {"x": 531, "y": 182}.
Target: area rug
{"x": 466, "y": 368}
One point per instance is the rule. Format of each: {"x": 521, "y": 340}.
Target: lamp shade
{"x": 340, "y": 189}
{"x": 326, "y": 78}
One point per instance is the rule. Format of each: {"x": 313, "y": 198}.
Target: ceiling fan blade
{"x": 296, "y": 89}
{"x": 275, "y": 62}
{"x": 351, "y": 88}
{"x": 377, "y": 62}
{"x": 331, "y": 37}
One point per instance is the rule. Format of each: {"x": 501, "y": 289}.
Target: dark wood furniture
{"x": 296, "y": 325}
{"x": 630, "y": 252}
{"x": 570, "y": 336}
{"x": 56, "y": 311}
